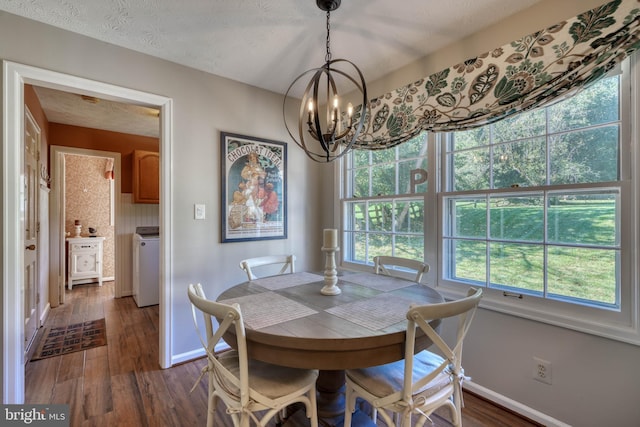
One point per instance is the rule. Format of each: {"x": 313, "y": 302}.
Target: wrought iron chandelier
{"x": 327, "y": 137}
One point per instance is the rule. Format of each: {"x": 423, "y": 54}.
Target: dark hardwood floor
{"x": 121, "y": 384}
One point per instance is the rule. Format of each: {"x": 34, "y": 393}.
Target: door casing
{"x": 14, "y": 76}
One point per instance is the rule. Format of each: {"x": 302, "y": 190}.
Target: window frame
{"x": 428, "y": 198}
{"x": 622, "y": 325}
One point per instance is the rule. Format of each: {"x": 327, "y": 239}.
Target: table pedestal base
{"x": 330, "y": 386}
{"x": 331, "y": 401}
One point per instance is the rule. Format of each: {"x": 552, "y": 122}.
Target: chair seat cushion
{"x": 387, "y": 379}
{"x": 270, "y": 380}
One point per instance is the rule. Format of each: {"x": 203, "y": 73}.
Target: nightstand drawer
{"x": 75, "y": 247}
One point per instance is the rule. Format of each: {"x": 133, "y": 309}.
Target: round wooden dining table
{"x": 289, "y": 322}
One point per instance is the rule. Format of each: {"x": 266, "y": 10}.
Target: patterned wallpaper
{"x": 87, "y": 199}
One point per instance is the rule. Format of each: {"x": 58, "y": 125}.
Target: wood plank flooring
{"x": 121, "y": 384}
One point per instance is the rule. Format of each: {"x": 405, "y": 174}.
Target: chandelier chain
{"x": 327, "y": 57}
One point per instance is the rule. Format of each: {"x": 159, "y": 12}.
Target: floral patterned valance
{"x": 524, "y": 74}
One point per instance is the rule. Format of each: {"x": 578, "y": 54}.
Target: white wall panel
{"x": 131, "y": 215}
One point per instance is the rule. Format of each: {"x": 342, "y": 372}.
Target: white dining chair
{"x": 246, "y": 386}
{"x": 287, "y": 262}
{"x": 384, "y": 265}
{"x": 420, "y": 383}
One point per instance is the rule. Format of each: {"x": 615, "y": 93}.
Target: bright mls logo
{"x": 35, "y": 415}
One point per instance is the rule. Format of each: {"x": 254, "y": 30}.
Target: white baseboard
{"x": 45, "y": 314}
{"x": 187, "y": 357}
{"x": 511, "y": 404}
{"x": 89, "y": 280}
{"x": 196, "y": 354}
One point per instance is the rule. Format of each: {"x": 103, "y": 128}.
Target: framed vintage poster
{"x": 254, "y": 188}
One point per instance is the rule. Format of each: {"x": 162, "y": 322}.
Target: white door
{"x": 31, "y": 195}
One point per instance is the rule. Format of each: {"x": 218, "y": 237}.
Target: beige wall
{"x": 541, "y": 15}
{"x": 204, "y": 105}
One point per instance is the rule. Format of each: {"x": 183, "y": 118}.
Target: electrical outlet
{"x": 541, "y": 370}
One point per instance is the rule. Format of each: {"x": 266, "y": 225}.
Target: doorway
{"x": 83, "y": 192}
{"x": 14, "y": 77}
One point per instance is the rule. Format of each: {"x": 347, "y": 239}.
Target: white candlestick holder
{"x": 78, "y": 230}
{"x": 330, "y": 273}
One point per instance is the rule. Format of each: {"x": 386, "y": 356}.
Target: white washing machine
{"x": 146, "y": 266}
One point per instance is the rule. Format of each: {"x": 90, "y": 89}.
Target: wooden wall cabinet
{"x": 146, "y": 177}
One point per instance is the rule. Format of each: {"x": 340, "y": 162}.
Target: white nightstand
{"x": 85, "y": 259}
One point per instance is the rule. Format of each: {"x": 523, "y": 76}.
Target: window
{"x": 539, "y": 200}
{"x": 540, "y": 209}
{"x": 385, "y": 204}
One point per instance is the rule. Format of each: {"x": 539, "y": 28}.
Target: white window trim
{"x": 622, "y": 326}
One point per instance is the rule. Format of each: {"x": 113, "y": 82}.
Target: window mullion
{"x": 545, "y": 252}
{"x": 547, "y": 139}
{"x": 491, "y": 147}
{"x": 366, "y": 228}
{"x": 487, "y": 240}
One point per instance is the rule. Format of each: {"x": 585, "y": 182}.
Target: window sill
{"x": 594, "y": 321}
{"x": 612, "y": 325}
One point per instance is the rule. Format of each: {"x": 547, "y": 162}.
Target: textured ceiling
{"x": 73, "y": 109}
{"x": 267, "y": 43}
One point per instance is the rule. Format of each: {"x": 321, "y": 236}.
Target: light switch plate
{"x": 198, "y": 211}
